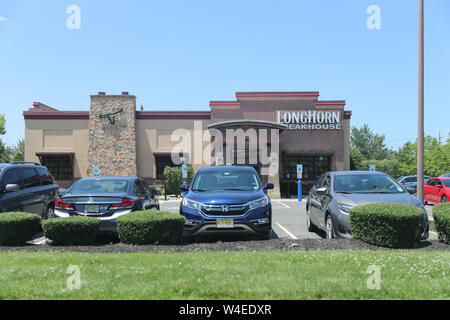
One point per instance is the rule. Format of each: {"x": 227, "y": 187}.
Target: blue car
{"x": 226, "y": 199}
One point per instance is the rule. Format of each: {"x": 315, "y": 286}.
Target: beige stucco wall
{"x": 69, "y": 135}
{"x": 154, "y": 135}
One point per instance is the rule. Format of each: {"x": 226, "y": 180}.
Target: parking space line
{"x": 282, "y": 204}
{"x": 287, "y": 231}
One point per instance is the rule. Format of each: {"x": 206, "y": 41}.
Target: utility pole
{"x": 420, "y": 133}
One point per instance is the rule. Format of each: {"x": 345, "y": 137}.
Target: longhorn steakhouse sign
{"x": 310, "y": 119}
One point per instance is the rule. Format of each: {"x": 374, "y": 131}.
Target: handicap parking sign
{"x": 96, "y": 171}
{"x": 299, "y": 171}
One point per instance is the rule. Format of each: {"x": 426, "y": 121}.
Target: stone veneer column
{"x": 112, "y": 146}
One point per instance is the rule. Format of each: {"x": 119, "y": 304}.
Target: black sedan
{"x": 106, "y": 198}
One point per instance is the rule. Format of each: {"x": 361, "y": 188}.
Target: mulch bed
{"x": 228, "y": 246}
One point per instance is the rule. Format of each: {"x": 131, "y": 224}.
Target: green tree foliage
{"x": 7, "y": 153}
{"x": 389, "y": 166}
{"x": 371, "y": 145}
{"x": 174, "y": 177}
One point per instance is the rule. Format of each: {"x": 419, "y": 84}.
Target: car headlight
{"x": 259, "y": 203}
{"x": 343, "y": 207}
{"x": 192, "y": 204}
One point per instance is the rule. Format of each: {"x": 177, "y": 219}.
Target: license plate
{"x": 91, "y": 208}
{"x": 224, "y": 223}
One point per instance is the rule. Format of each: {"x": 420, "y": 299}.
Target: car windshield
{"x": 366, "y": 183}
{"x": 226, "y": 180}
{"x": 99, "y": 186}
{"x": 446, "y": 182}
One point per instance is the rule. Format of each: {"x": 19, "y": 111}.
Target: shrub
{"x": 441, "y": 214}
{"x": 174, "y": 177}
{"x": 392, "y": 225}
{"x": 16, "y": 228}
{"x": 150, "y": 227}
{"x": 75, "y": 230}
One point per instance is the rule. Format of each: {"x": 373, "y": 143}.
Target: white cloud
{"x": 2, "y": 18}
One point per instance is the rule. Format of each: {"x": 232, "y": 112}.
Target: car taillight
{"x": 126, "y": 203}
{"x": 59, "y": 204}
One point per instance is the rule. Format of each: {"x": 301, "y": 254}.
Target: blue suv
{"x": 226, "y": 199}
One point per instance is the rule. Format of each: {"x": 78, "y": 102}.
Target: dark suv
{"x": 27, "y": 187}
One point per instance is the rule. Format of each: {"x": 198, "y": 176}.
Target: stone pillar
{"x": 112, "y": 135}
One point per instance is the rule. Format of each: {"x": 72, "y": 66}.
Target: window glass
{"x": 138, "y": 189}
{"x": 45, "y": 176}
{"x": 431, "y": 182}
{"x": 326, "y": 183}
{"x": 99, "y": 186}
{"x": 145, "y": 188}
{"x": 11, "y": 177}
{"x": 366, "y": 183}
{"x": 226, "y": 180}
{"x": 446, "y": 182}
{"x": 59, "y": 166}
{"x": 29, "y": 177}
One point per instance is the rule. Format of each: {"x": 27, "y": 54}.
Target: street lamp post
{"x": 420, "y": 133}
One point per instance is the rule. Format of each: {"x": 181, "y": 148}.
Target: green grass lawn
{"x": 234, "y": 275}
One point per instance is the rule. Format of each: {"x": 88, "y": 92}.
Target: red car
{"x": 437, "y": 190}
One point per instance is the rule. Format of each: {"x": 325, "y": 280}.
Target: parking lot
{"x": 288, "y": 220}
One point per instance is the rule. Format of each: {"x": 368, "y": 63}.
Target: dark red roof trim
{"x": 280, "y": 94}
{"x": 224, "y": 103}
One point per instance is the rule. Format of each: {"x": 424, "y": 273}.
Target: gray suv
{"x": 27, "y": 187}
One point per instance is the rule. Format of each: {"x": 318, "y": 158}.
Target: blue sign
{"x": 299, "y": 171}
{"x": 96, "y": 171}
{"x": 184, "y": 170}
{"x": 372, "y": 167}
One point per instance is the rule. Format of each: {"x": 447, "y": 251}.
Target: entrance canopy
{"x": 248, "y": 123}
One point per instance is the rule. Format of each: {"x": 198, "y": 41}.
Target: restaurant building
{"x": 114, "y": 138}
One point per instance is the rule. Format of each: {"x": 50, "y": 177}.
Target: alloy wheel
{"x": 444, "y": 199}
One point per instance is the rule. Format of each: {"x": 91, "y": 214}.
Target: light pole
{"x": 420, "y": 133}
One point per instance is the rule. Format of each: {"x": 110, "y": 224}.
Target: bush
{"x": 391, "y": 225}
{"x": 150, "y": 227}
{"x": 75, "y": 230}
{"x": 441, "y": 214}
{"x": 174, "y": 177}
{"x": 16, "y": 228}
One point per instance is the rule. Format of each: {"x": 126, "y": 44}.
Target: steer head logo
{"x": 110, "y": 116}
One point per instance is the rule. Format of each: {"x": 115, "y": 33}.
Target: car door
{"x": 139, "y": 193}
{"x": 314, "y": 201}
{"x": 11, "y": 201}
{"x": 148, "y": 201}
{"x": 440, "y": 190}
{"x": 34, "y": 200}
{"x": 430, "y": 190}
{"x": 324, "y": 199}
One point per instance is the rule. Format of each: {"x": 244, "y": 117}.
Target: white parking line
{"x": 287, "y": 231}
{"x": 282, "y": 204}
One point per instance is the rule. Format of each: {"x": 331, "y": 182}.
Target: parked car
{"x": 437, "y": 190}
{"x": 445, "y": 175}
{"x": 27, "y": 187}
{"x": 226, "y": 199}
{"x": 410, "y": 183}
{"x": 106, "y": 199}
{"x": 335, "y": 193}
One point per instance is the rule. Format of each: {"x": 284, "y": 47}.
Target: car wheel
{"x": 444, "y": 199}
{"x": 50, "y": 214}
{"x": 309, "y": 224}
{"x": 329, "y": 228}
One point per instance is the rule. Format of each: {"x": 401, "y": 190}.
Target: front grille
{"x": 218, "y": 210}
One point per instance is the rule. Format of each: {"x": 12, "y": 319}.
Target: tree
{"x": 174, "y": 177}
{"x": 19, "y": 151}
{"x": 371, "y": 145}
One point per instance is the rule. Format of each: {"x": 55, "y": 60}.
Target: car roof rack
{"x": 26, "y": 162}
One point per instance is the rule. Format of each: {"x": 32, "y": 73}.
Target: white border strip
{"x": 287, "y": 231}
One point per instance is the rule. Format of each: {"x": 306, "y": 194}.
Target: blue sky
{"x": 179, "y": 55}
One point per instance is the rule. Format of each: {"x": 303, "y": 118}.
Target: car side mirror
{"x": 321, "y": 190}
{"x": 439, "y": 186}
{"x": 12, "y": 188}
{"x": 268, "y": 186}
{"x": 156, "y": 192}
{"x": 62, "y": 191}
{"x": 184, "y": 187}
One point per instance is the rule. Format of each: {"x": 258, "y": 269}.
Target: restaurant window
{"x": 163, "y": 161}
{"x": 60, "y": 167}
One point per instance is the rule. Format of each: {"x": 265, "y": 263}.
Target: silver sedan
{"x": 335, "y": 193}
